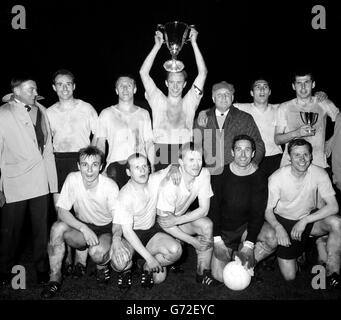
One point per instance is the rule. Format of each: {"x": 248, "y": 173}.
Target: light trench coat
{"x": 25, "y": 172}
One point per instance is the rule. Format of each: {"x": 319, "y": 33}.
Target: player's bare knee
{"x": 206, "y": 227}
{"x": 174, "y": 251}
{"x": 175, "y": 248}
{"x": 57, "y": 232}
{"x": 270, "y": 238}
{"x": 71, "y": 241}
{"x": 97, "y": 253}
{"x": 335, "y": 224}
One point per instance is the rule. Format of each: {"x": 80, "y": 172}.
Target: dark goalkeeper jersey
{"x": 242, "y": 199}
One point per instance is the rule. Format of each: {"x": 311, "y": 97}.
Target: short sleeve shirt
{"x": 289, "y": 118}
{"x": 96, "y": 206}
{"x": 294, "y": 199}
{"x": 139, "y": 208}
{"x": 71, "y": 128}
{"x": 265, "y": 121}
{"x": 127, "y": 133}
{"x": 177, "y": 199}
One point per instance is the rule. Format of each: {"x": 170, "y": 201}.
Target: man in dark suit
{"x": 224, "y": 121}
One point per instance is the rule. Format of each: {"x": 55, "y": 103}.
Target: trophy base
{"x": 173, "y": 65}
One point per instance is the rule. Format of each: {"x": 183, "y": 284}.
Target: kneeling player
{"x": 192, "y": 227}
{"x": 94, "y": 199}
{"x": 295, "y": 211}
{"x": 238, "y": 215}
{"x": 136, "y": 213}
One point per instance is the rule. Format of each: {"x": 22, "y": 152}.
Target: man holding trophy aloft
{"x": 173, "y": 115}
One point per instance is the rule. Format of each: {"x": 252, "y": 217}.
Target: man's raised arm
{"x": 147, "y": 81}
{"x": 202, "y": 70}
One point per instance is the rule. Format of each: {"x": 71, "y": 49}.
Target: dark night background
{"x": 240, "y": 40}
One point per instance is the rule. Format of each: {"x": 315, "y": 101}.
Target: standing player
{"x": 127, "y": 128}
{"x": 72, "y": 122}
{"x": 264, "y": 114}
{"x": 173, "y": 114}
{"x": 289, "y": 124}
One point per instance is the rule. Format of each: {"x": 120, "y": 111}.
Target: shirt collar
{"x": 19, "y": 102}
{"x": 221, "y": 114}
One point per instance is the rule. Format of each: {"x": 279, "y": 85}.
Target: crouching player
{"x": 238, "y": 220}
{"x": 94, "y": 199}
{"x": 192, "y": 227}
{"x": 136, "y": 212}
{"x": 295, "y": 211}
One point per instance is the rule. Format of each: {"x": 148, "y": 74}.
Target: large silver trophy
{"x": 175, "y": 35}
{"x": 309, "y": 118}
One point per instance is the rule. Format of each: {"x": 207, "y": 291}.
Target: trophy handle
{"x": 302, "y": 117}
{"x": 161, "y": 28}
{"x": 314, "y": 117}
{"x": 189, "y": 27}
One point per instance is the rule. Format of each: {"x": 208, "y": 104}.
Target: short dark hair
{"x": 125, "y": 75}
{"x": 63, "y": 72}
{"x": 17, "y": 81}
{"x": 299, "y": 142}
{"x": 135, "y": 156}
{"x": 302, "y": 73}
{"x": 260, "y": 79}
{"x": 244, "y": 137}
{"x": 90, "y": 151}
{"x": 183, "y": 72}
{"x": 189, "y": 146}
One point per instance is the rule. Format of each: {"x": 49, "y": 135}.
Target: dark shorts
{"x": 99, "y": 230}
{"x": 146, "y": 235}
{"x": 66, "y": 162}
{"x": 232, "y": 238}
{"x": 297, "y": 247}
{"x": 166, "y": 154}
{"x": 117, "y": 171}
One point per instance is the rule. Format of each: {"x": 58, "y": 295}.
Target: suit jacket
{"x": 217, "y": 143}
{"x": 25, "y": 172}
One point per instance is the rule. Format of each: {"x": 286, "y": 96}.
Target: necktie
{"x": 222, "y": 114}
{"x": 28, "y": 108}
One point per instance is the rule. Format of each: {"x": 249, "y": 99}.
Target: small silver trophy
{"x": 309, "y": 118}
{"x": 175, "y": 36}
